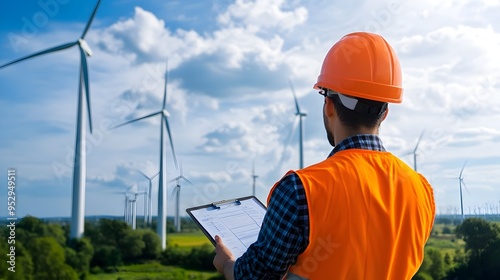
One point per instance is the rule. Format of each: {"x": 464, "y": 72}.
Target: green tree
{"x": 106, "y": 256}
{"x": 24, "y": 265}
{"x": 482, "y": 251}
{"x": 422, "y": 276}
{"x": 132, "y": 245}
{"x": 436, "y": 269}
{"x": 56, "y": 231}
{"x": 80, "y": 254}
{"x": 29, "y": 228}
{"x": 112, "y": 232}
{"x": 152, "y": 244}
{"x": 49, "y": 260}
{"x": 477, "y": 234}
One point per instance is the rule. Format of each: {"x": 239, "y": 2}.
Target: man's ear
{"x": 385, "y": 114}
{"x": 329, "y": 107}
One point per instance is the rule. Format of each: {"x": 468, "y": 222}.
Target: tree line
{"x": 44, "y": 251}
{"x": 480, "y": 259}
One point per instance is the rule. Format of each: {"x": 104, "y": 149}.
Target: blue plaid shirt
{"x": 285, "y": 230}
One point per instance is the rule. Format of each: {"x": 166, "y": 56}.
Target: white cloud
{"x": 263, "y": 14}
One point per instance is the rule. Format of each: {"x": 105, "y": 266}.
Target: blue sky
{"x": 229, "y": 98}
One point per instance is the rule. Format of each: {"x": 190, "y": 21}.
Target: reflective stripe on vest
{"x": 370, "y": 216}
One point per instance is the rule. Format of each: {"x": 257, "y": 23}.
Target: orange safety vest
{"x": 370, "y": 216}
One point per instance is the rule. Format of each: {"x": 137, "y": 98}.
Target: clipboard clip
{"x": 218, "y": 204}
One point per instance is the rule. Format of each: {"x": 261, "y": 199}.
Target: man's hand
{"x": 224, "y": 259}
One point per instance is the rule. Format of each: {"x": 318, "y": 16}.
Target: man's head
{"x": 359, "y": 76}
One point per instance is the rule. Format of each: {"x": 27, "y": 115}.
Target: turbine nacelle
{"x": 165, "y": 113}
{"x": 85, "y": 47}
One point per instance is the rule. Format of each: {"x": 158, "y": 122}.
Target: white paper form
{"x": 238, "y": 223}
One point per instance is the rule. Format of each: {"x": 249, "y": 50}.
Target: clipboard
{"x": 237, "y": 221}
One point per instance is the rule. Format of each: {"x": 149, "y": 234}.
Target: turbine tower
{"x": 299, "y": 115}
{"x": 148, "y": 207}
{"x": 161, "y": 227}
{"x": 134, "y": 208}
{"x": 254, "y": 177}
{"x": 80, "y": 162}
{"x": 177, "y": 190}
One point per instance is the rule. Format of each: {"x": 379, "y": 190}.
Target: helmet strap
{"x": 361, "y": 106}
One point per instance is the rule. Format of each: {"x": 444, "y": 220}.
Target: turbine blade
{"x": 294, "y": 127}
{"x": 155, "y": 175}
{"x": 86, "y": 87}
{"x": 461, "y": 171}
{"x": 297, "y": 108}
{"x": 135, "y": 120}
{"x": 146, "y": 176}
{"x": 54, "y": 49}
{"x": 186, "y": 179}
{"x": 165, "y": 88}
{"x": 89, "y": 22}
{"x": 174, "y": 179}
{"x": 467, "y": 189}
{"x": 171, "y": 141}
{"x": 174, "y": 191}
{"x": 418, "y": 142}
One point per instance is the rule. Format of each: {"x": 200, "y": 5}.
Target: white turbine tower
{"x": 254, "y": 178}
{"x": 79, "y": 166}
{"x": 148, "y": 206}
{"x": 299, "y": 115}
{"x": 134, "y": 208}
{"x": 177, "y": 190}
{"x": 161, "y": 227}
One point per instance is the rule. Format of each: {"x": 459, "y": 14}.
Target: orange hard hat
{"x": 362, "y": 65}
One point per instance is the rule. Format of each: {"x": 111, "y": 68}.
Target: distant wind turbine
{"x": 177, "y": 191}
{"x": 161, "y": 228}
{"x": 134, "y": 208}
{"x": 79, "y": 166}
{"x": 462, "y": 182}
{"x": 415, "y": 151}
{"x": 299, "y": 115}
{"x": 254, "y": 177}
{"x": 148, "y": 207}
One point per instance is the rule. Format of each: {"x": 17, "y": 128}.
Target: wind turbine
{"x": 161, "y": 227}
{"x": 415, "y": 151}
{"x": 79, "y": 166}
{"x": 461, "y": 181}
{"x": 177, "y": 190}
{"x": 148, "y": 207}
{"x": 254, "y": 177}
{"x": 134, "y": 208}
{"x": 299, "y": 115}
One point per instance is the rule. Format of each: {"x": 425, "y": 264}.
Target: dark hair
{"x": 355, "y": 120}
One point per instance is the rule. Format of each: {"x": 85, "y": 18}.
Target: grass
{"x": 446, "y": 243}
{"x": 153, "y": 271}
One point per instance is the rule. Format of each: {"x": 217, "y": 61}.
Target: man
{"x": 360, "y": 214}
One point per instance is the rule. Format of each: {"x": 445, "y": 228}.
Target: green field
{"x": 152, "y": 271}
{"x": 187, "y": 240}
